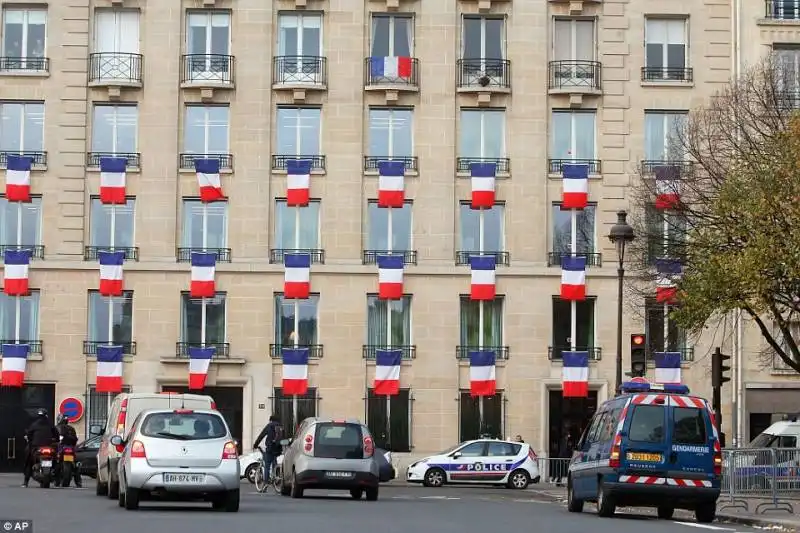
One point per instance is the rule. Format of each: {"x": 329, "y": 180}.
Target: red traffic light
{"x": 637, "y": 340}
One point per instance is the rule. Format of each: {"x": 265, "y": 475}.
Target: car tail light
{"x": 137, "y": 450}
{"x": 532, "y": 454}
{"x": 369, "y": 446}
{"x": 230, "y": 451}
{"x": 308, "y": 444}
{"x": 123, "y": 415}
{"x": 717, "y": 459}
{"x": 213, "y": 406}
{"x": 183, "y": 411}
{"x": 616, "y": 450}
{"x": 46, "y": 451}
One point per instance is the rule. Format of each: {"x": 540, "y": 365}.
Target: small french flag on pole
{"x": 483, "y": 286}
{"x": 391, "y": 183}
{"x": 575, "y": 185}
{"x": 18, "y": 178}
{"x": 390, "y": 67}
{"x": 482, "y": 376}
{"x": 668, "y": 367}
{"x": 298, "y": 182}
{"x": 199, "y": 361}
{"x": 573, "y": 279}
{"x": 483, "y": 184}
{"x": 387, "y": 372}
{"x": 295, "y": 371}
{"x": 16, "y": 272}
{"x": 15, "y": 358}
{"x": 111, "y": 277}
{"x": 208, "y": 180}
{"x": 667, "y": 187}
{"x": 575, "y": 374}
{"x": 109, "y": 369}
{"x": 112, "y": 180}
{"x": 390, "y": 277}
{"x": 297, "y": 276}
{"x": 666, "y": 289}
{"x": 204, "y": 266}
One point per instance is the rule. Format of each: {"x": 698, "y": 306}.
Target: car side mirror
{"x": 285, "y": 442}
{"x": 456, "y": 455}
{"x": 95, "y": 429}
{"x": 117, "y": 442}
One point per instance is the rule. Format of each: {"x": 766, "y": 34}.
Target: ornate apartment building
{"x": 524, "y": 90}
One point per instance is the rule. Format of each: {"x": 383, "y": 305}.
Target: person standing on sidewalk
{"x": 564, "y": 453}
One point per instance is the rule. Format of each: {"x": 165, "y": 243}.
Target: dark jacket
{"x": 269, "y": 436}
{"x": 69, "y": 437}
{"x": 41, "y": 433}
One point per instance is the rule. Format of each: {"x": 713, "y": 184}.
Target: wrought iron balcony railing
{"x": 667, "y": 74}
{"x": 556, "y": 166}
{"x": 592, "y": 259}
{"x": 132, "y": 160}
{"x": 368, "y": 350}
{"x": 578, "y": 75}
{"x": 90, "y": 347}
{"x": 38, "y": 159}
{"x": 299, "y": 70}
{"x": 554, "y": 353}
{"x": 317, "y": 161}
{"x": 503, "y": 163}
{"x": 24, "y": 64}
{"x": 377, "y": 77}
{"x": 186, "y": 160}
{"x": 687, "y": 354}
{"x": 37, "y": 250}
{"x": 92, "y": 253}
{"x": 35, "y": 346}
{"x": 314, "y": 350}
{"x": 277, "y": 255}
{"x": 222, "y": 350}
{"x": 782, "y": 10}
{"x": 184, "y": 255}
{"x": 501, "y": 352}
{"x": 682, "y": 168}
{"x": 208, "y": 69}
{"x": 370, "y": 257}
{"x": 483, "y": 73}
{"x": 371, "y": 162}
{"x": 115, "y": 68}
{"x": 501, "y": 258}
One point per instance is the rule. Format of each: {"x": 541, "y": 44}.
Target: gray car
{"x": 179, "y": 454}
{"x": 331, "y": 454}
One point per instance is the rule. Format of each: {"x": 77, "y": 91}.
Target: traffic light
{"x": 719, "y": 369}
{"x": 638, "y": 355}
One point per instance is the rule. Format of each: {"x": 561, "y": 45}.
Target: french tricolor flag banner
{"x": 199, "y": 361}
{"x": 483, "y": 285}
{"x": 668, "y": 367}
{"x": 109, "y": 369}
{"x": 111, "y": 277}
{"x": 391, "y": 183}
{"x": 575, "y": 183}
{"x": 482, "y": 377}
{"x": 204, "y": 268}
{"x": 390, "y": 277}
{"x": 666, "y": 289}
{"x": 18, "y": 178}
{"x": 112, "y": 180}
{"x": 573, "y": 279}
{"x": 667, "y": 187}
{"x": 387, "y": 372}
{"x": 298, "y": 182}
{"x": 390, "y": 67}
{"x": 297, "y": 277}
{"x": 15, "y": 357}
{"x": 16, "y": 272}
{"x": 483, "y": 184}
{"x": 575, "y": 374}
{"x": 295, "y": 371}
{"x": 208, "y": 180}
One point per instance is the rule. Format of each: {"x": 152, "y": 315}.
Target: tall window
{"x": 206, "y": 129}
{"x": 482, "y": 133}
{"x": 490, "y": 333}
{"x": 100, "y": 224}
{"x": 300, "y": 46}
{"x": 21, "y": 127}
{"x": 208, "y": 39}
{"x": 391, "y": 132}
{"x": 385, "y": 314}
{"x": 378, "y": 227}
{"x": 573, "y": 40}
{"x": 283, "y": 408}
{"x": 28, "y": 325}
{"x": 573, "y": 135}
{"x": 662, "y": 135}
{"x": 216, "y": 225}
{"x": 192, "y": 319}
{"x": 116, "y": 32}
{"x": 392, "y": 35}
{"x": 31, "y": 232}
{"x": 482, "y": 48}
{"x": 663, "y": 333}
{"x": 298, "y": 131}
{"x": 470, "y": 228}
{"x": 24, "y": 38}
{"x": 114, "y": 312}
{"x": 114, "y": 129}
{"x": 562, "y": 326}
{"x": 665, "y": 48}
{"x": 787, "y": 58}
{"x": 306, "y": 321}
{"x": 469, "y": 417}
{"x": 666, "y": 233}
{"x": 585, "y": 236}
{"x": 394, "y": 437}
{"x": 297, "y": 229}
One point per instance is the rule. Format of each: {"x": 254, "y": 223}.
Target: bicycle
{"x": 275, "y": 479}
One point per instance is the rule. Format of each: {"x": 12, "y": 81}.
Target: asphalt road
{"x": 400, "y": 509}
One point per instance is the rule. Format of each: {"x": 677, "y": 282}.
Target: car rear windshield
{"x": 689, "y": 425}
{"x": 647, "y": 424}
{"x": 184, "y": 426}
{"x": 338, "y": 441}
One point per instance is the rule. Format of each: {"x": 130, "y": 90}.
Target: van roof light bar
{"x": 630, "y": 387}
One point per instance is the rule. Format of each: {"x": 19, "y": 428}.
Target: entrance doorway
{"x": 568, "y": 417}
{"x": 18, "y": 408}
{"x": 230, "y": 403}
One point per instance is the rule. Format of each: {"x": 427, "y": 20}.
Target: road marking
{"x": 433, "y": 497}
{"x": 705, "y": 526}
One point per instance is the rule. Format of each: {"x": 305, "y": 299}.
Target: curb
{"x": 761, "y": 522}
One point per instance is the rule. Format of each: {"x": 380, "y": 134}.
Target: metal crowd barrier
{"x": 766, "y": 477}
{"x": 552, "y": 469}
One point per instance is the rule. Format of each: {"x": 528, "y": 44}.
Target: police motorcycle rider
{"x": 40, "y": 433}
{"x": 67, "y": 437}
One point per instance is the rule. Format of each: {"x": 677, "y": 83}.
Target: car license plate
{"x": 47, "y": 463}
{"x": 339, "y": 475}
{"x": 185, "y": 479}
{"x": 69, "y": 459}
{"x": 644, "y": 457}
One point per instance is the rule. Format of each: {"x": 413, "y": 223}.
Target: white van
{"x": 124, "y": 410}
{"x": 784, "y": 434}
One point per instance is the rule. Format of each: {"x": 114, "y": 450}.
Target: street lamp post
{"x": 621, "y": 234}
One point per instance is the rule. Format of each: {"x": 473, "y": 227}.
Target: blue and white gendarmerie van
{"x": 479, "y": 462}
{"x": 651, "y": 446}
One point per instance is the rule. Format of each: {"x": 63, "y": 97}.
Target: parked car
{"x": 86, "y": 455}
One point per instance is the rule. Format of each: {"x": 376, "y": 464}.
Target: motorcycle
{"x": 67, "y": 466}
{"x": 43, "y": 466}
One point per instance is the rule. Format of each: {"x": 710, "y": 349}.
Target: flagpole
{"x": 573, "y": 307}
{"x": 203, "y": 299}
{"x": 110, "y": 336}
{"x": 296, "y": 307}
{"x": 18, "y": 300}
{"x": 389, "y": 247}
{"x": 480, "y": 316}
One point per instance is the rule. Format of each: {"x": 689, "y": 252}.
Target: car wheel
{"x": 574, "y": 505}
{"x": 296, "y": 490}
{"x": 101, "y": 489}
{"x": 121, "y": 498}
{"x": 113, "y": 487}
{"x": 434, "y": 477}
{"x": 605, "y": 504}
{"x": 250, "y": 473}
{"x": 356, "y": 493}
{"x": 229, "y": 502}
{"x": 285, "y": 489}
{"x": 131, "y": 499}
{"x": 665, "y": 513}
{"x": 706, "y": 512}
{"x": 519, "y": 479}
{"x": 372, "y": 494}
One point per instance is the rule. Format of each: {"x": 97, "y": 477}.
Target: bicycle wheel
{"x": 277, "y": 480}
{"x": 260, "y": 482}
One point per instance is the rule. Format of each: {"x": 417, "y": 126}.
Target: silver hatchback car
{"x": 331, "y": 454}
{"x": 179, "y": 454}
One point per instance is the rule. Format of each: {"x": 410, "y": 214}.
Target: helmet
{"x": 62, "y": 419}
{"x": 41, "y": 413}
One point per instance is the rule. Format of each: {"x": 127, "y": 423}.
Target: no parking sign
{"x": 72, "y": 408}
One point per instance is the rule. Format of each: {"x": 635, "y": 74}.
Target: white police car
{"x": 480, "y": 462}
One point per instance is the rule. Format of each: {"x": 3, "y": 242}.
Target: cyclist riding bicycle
{"x": 272, "y": 435}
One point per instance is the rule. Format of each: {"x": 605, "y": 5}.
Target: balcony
{"x": 24, "y": 66}
{"x": 391, "y": 74}
{"x": 575, "y": 78}
{"x": 132, "y": 160}
{"x": 556, "y": 166}
{"x": 648, "y": 166}
{"x": 184, "y": 255}
{"x": 208, "y": 71}
{"x": 554, "y": 352}
{"x": 501, "y": 352}
{"x": 90, "y": 347}
{"x": 667, "y": 74}
{"x": 314, "y": 350}
{"x": 483, "y": 76}
{"x": 222, "y": 350}
{"x": 37, "y": 250}
{"x": 186, "y": 161}
{"x": 299, "y": 74}
{"x": 778, "y": 10}
{"x": 317, "y": 162}
{"x": 687, "y": 354}
{"x": 92, "y": 253}
{"x": 368, "y": 351}
{"x": 501, "y": 258}
{"x": 38, "y": 159}
{"x": 115, "y": 69}
{"x": 463, "y": 164}
{"x": 592, "y": 259}
{"x": 35, "y": 346}
{"x": 370, "y": 257}
{"x": 277, "y": 255}
{"x": 411, "y": 164}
